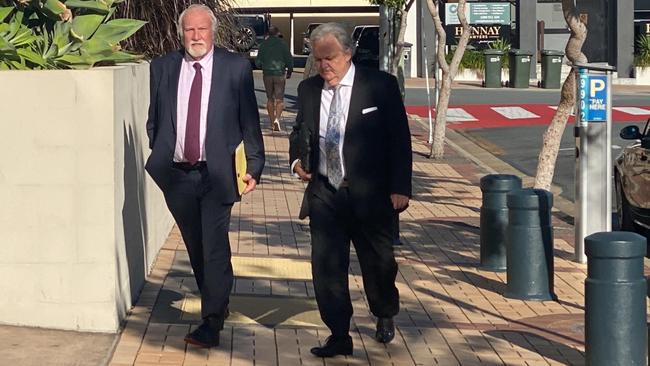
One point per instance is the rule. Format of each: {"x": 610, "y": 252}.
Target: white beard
{"x": 197, "y": 50}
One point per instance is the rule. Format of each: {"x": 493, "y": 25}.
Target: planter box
{"x": 642, "y": 75}
{"x": 82, "y": 222}
{"x": 477, "y": 75}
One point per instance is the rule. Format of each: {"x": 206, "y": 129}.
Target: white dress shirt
{"x": 325, "y": 101}
{"x": 184, "y": 85}
{"x": 345, "y": 91}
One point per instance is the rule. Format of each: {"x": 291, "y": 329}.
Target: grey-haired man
{"x": 202, "y": 106}
{"x": 351, "y": 142}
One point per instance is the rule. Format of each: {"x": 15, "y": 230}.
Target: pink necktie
{"x": 192, "y": 150}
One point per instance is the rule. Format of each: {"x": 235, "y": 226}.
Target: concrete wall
{"x": 81, "y": 222}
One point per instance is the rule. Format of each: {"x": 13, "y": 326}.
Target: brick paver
{"x": 452, "y": 313}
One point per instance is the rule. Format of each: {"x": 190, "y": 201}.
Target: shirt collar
{"x": 204, "y": 62}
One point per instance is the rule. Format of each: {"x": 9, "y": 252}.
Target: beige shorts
{"x": 274, "y": 86}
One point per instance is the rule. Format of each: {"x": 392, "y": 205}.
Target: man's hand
{"x": 400, "y": 201}
{"x": 306, "y": 177}
{"x": 250, "y": 183}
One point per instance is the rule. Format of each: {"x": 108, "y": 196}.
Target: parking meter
{"x": 593, "y": 168}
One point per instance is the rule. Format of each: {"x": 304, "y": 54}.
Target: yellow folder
{"x": 240, "y": 167}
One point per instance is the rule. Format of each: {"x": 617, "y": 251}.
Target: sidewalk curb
{"x": 109, "y": 356}
{"x": 491, "y": 164}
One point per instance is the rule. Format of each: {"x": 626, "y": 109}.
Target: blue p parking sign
{"x": 593, "y": 97}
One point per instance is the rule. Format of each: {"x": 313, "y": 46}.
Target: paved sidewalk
{"x": 452, "y": 313}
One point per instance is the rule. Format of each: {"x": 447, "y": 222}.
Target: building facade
{"x": 533, "y": 25}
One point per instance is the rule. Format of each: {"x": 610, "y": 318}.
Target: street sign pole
{"x": 593, "y": 132}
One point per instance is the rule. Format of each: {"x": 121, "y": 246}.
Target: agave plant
{"x": 502, "y": 45}
{"x": 642, "y": 56}
{"x": 60, "y": 34}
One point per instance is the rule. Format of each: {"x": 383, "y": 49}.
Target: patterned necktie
{"x": 191, "y": 149}
{"x": 333, "y": 139}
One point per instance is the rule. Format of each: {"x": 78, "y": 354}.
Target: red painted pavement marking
{"x": 488, "y": 118}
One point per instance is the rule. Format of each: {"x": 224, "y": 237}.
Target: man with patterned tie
{"x": 351, "y": 142}
{"x": 202, "y": 106}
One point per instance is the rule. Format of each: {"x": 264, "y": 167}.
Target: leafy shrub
{"x": 504, "y": 46}
{"x": 475, "y": 60}
{"x": 642, "y": 57}
{"x": 62, "y": 34}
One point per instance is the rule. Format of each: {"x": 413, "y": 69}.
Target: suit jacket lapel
{"x": 357, "y": 92}
{"x": 217, "y": 88}
{"x": 316, "y": 98}
{"x": 173, "y": 82}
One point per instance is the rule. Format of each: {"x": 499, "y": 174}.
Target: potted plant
{"x": 642, "y": 59}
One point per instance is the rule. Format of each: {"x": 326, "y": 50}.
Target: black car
{"x": 366, "y": 50}
{"x": 250, "y": 32}
{"x": 632, "y": 181}
{"x": 357, "y": 31}
{"x": 306, "y": 43}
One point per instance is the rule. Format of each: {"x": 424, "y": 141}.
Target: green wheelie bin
{"x": 492, "y": 75}
{"x": 551, "y": 68}
{"x": 519, "y": 63}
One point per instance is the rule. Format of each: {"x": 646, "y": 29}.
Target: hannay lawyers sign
{"x": 488, "y": 22}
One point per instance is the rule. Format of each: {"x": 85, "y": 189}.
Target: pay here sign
{"x": 593, "y": 98}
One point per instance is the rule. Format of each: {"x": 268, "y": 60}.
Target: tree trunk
{"x": 440, "y": 125}
{"x": 553, "y": 135}
{"x": 399, "y": 44}
{"x": 402, "y": 13}
{"x": 448, "y": 73}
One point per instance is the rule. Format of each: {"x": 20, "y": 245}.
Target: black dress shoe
{"x": 204, "y": 336}
{"x": 215, "y": 321}
{"x": 385, "y": 330}
{"x": 334, "y": 346}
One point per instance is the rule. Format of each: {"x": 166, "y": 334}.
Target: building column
{"x": 624, "y": 37}
{"x": 527, "y": 31}
{"x": 598, "y": 46}
{"x": 425, "y": 34}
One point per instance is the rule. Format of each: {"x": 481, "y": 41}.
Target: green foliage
{"x": 501, "y": 45}
{"x": 472, "y": 59}
{"x": 475, "y": 60}
{"x": 395, "y": 4}
{"x": 62, "y": 34}
{"x": 642, "y": 56}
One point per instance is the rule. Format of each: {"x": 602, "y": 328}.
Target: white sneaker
{"x": 276, "y": 125}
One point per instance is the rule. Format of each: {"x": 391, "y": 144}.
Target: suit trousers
{"x": 204, "y": 222}
{"x": 333, "y": 223}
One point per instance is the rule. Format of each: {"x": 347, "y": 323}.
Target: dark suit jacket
{"x": 232, "y": 117}
{"x": 377, "y": 145}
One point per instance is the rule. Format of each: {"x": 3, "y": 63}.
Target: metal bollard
{"x": 529, "y": 243}
{"x": 615, "y": 299}
{"x": 494, "y": 219}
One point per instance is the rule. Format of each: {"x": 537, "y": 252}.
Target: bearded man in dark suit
{"x": 351, "y": 142}
{"x": 202, "y": 106}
